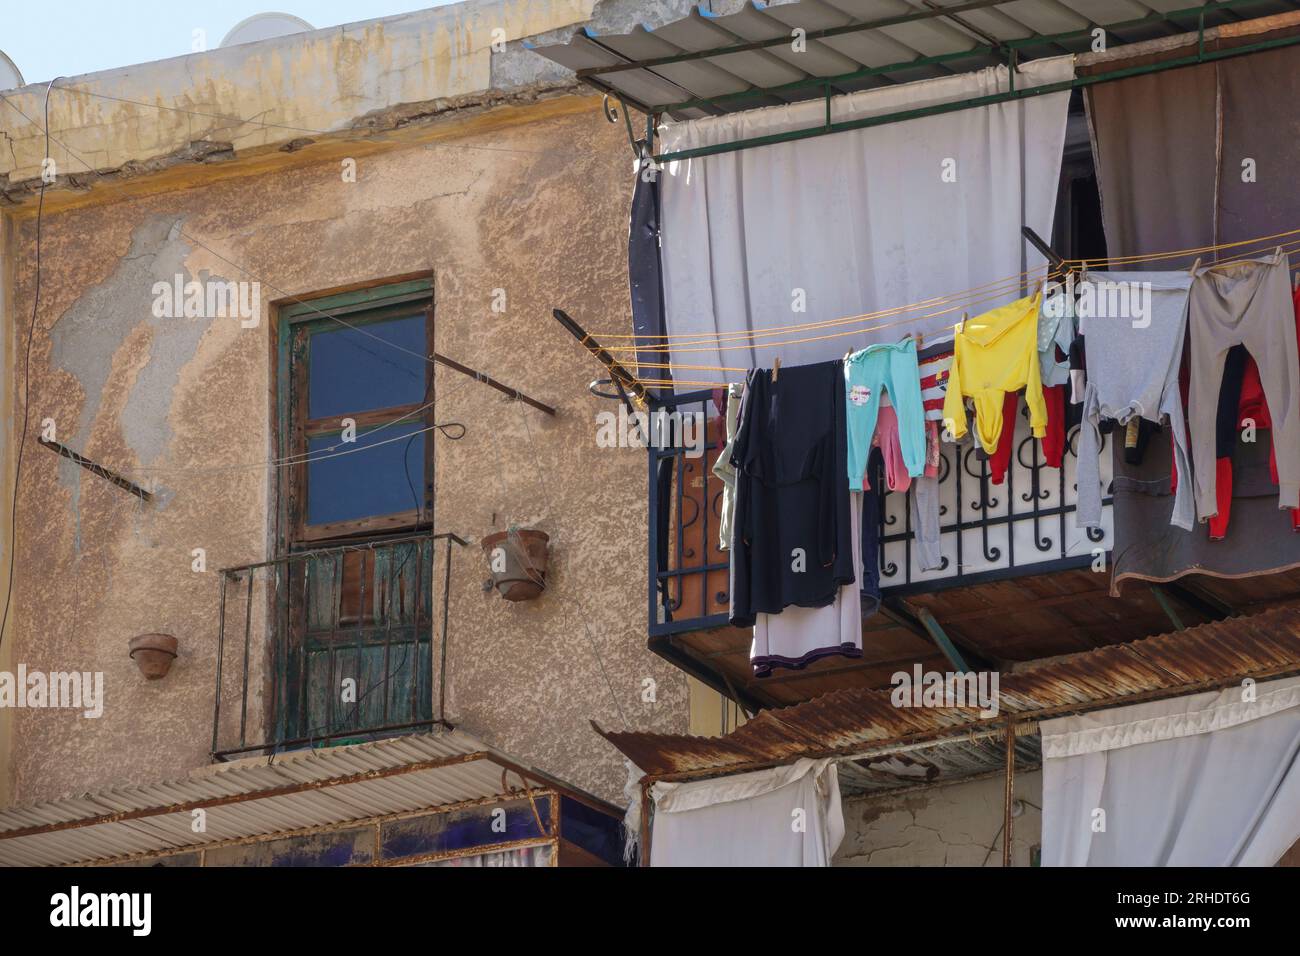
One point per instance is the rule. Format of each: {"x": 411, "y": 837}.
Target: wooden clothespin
{"x": 1083, "y": 271}
{"x": 1195, "y": 265}
{"x": 1295, "y": 280}
{"x": 962, "y": 328}
{"x": 776, "y": 367}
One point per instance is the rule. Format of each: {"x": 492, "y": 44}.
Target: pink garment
{"x": 886, "y": 437}
{"x": 932, "y": 453}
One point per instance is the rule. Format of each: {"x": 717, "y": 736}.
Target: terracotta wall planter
{"x": 517, "y": 560}
{"x": 153, "y": 654}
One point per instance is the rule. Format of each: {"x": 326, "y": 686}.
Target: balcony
{"x": 988, "y": 532}
{"x": 330, "y": 645}
{"x": 1019, "y": 581}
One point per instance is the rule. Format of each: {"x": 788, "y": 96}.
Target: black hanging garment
{"x": 792, "y": 541}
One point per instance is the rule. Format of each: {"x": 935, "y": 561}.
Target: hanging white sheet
{"x": 1205, "y": 780}
{"x": 858, "y": 221}
{"x": 786, "y": 816}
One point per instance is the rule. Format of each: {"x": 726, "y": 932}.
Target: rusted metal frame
{"x": 684, "y": 659}
{"x": 96, "y": 469}
{"x": 121, "y": 816}
{"x": 991, "y": 727}
{"x": 377, "y": 822}
{"x": 551, "y": 784}
{"x": 446, "y": 611}
{"x": 1167, "y": 606}
{"x": 850, "y": 28}
{"x": 221, "y": 648}
{"x": 347, "y": 546}
{"x": 922, "y": 622}
{"x": 992, "y": 99}
{"x": 311, "y": 738}
{"x": 422, "y": 858}
{"x": 1196, "y": 598}
{"x": 1008, "y": 797}
{"x": 248, "y": 637}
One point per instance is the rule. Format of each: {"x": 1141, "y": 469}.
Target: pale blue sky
{"x": 67, "y": 37}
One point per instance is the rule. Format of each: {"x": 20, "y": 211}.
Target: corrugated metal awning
{"x": 862, "y": 724}
{"x": 706, "y": 64}
{"x": 257, "y": 796}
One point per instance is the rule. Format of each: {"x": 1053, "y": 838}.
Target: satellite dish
{"x": 10, "y": 78}
{"x": 265, "y": 26}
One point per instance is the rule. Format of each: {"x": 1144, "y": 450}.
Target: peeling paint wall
{"x": 537, "y": 208}
{"x": 256, "y": 95}
{"x": 957, "y": 824}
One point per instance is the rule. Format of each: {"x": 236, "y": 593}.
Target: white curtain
{"x": 786, "y": 816}
{"x": 860, "y": 221}
{"x": 1207, "y": 780}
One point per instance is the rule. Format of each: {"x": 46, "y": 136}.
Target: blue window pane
{"x": 351, "y": 372}
{"x": 362, "y": 484}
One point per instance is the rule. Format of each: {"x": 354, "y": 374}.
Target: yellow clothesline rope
{"x": 742, "y": 339}
{"x": 1263, "y": 244}
{"x": 739, "y": 338}
{"x": 952, "y": 310}
{"x": 1014, "y": 280}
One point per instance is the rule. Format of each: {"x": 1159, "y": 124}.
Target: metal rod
{"x": 1167, "y": 606}
{"x": 491, "y": 382}
{"x": 221, "y": 646}
{"x": 338, "y": 549}
{"x": 248, "y": 634}
{"x": 97, "y": 469}
{"x": 1048, "y": 253}
{"x": 446, "y": 608}
{"x": 938, "y": 634}
{"x": 616, "y": 370}
{"x": 1008, "y": 820}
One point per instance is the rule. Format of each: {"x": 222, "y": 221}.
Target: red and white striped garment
{"x": 934, "y": 383}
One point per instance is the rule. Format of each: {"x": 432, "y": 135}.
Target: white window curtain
{"x": 786, "y": 816}
{"x": 1211, "y": 779}
{"x": 859, "y": 221}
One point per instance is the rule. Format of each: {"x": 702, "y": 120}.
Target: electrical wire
{"x": 27, "y": 375}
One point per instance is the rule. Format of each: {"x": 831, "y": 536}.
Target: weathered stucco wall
{"x": 260, "y": 94}
{"x": 538, "y": 209}
{"x": 953, "y": 825}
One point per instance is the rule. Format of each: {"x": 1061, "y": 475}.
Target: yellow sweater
{"x": 996, "y": 353}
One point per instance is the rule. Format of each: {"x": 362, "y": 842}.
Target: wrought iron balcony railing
{"x": 330, "y": 645}
{"x": 987, "y": 531}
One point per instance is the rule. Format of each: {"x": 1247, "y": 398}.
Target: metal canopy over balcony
{"x": 259, "y": 797}
{"x": 888, "y": 747}
{"x": 706, "y": 64}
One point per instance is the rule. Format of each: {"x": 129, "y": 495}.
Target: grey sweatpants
{"x": 1134, "y": 333}
{"x": 925, "y": 522}
{"x": 1244, "y": 303}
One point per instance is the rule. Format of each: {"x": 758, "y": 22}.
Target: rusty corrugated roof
{"x": 861, "y": 721}
{"x": 259, "y": 796}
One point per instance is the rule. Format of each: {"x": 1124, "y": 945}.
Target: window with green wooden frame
{"x": 355, "y": 396}
{"x": 355, "y": 391}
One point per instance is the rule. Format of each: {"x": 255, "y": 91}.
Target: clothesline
{"x": 1263, "y": 244}
{"x": 982, "y": 293}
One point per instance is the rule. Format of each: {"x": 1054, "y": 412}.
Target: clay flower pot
{"x": 517, "y": 560}
{"x": 153, "y": 654}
